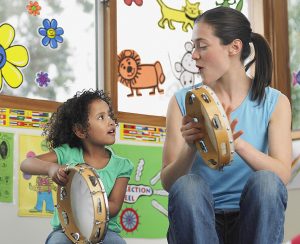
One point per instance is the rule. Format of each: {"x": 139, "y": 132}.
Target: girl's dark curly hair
{"x": 59, "y": 129}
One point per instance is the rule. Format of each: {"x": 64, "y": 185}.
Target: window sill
{"x": 27, "y": 103}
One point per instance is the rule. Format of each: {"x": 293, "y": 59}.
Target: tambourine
{"x": 216, "y": 147}
{"x": 82, "y": 206}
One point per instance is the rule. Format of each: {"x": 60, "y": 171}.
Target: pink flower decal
{"x": 137, "y": 2}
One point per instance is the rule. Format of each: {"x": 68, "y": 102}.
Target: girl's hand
{"x": 58, "y": 174}
{"x": 235, "y": 134}
{"x": 191, "y": 131}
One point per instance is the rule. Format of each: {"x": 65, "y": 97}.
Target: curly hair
{"x": 75, "y": 111}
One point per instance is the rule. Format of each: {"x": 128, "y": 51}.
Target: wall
{"x": 33, "y": 230}
{"x": 14, "y": 229}
{"x": 292, "y": 226}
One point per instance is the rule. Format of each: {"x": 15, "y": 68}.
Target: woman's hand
{"x": 235, "y": 134}
{"x": 58, "y": 174}
{"x": 191, "y": 130}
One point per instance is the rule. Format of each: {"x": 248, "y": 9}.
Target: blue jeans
{"x": 59, "y": 237}
{"x": 260, "y": 219}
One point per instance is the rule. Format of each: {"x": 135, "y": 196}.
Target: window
{"x": 55, "y": 69}
{"x": 158, "y": 42}
{"x": 294, "y": 50}
{"x": 276, "y": 15}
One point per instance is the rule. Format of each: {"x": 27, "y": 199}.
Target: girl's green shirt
{"x": 117, "y": 167}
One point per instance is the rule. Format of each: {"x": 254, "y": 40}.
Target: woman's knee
{"x": 189, "y": 188}
{"x": 267, "y": 185}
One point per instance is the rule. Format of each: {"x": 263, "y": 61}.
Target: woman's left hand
{"x": 235, "y": 134}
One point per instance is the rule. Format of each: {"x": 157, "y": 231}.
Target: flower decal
{"x": 33, "y": 8}
{"x": 296, "y": 78}
{"x": 137, "y": 2}
{"x": 11, "y": 57}
{"x": 42, "y": 79}
{"x": 52, "y": 33}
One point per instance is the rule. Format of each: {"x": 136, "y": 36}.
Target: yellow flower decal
{"x": 11, "y": 57}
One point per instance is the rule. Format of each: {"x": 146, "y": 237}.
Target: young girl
{"x": 78, "y": 133}
{"x": 245, "y": 202}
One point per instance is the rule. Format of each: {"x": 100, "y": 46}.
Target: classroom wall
{"x": 292, "y": 225}
{"x": 33, "y": 230}
{"x": 15, "y": 229}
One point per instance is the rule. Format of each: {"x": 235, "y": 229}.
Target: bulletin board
{"x": 144, "y": 213}
{"x": 152, "y": 54}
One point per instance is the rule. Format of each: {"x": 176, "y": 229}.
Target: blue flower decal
{"x": 52, "y": 33}
{"x": 42, "y": 79}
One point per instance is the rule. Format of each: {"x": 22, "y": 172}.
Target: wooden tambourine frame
{"x": 216, "y": 147}
{"x": 100, "y": 206}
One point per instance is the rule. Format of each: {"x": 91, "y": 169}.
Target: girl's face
{"x": 212, "y": 57}
{"x": 102, "y": 129}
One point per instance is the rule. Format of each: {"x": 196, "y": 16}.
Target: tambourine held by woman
{"x": 82, "y": 206}
{"x": 216, "y": 147}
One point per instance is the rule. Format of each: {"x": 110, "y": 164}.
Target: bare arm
{"x": 45, "y": 164}
{"x": 279, "y": 158}
{"x": 179, "y": 149}
{"x": 40, "y": 164}
{"x": 117, "y": 195}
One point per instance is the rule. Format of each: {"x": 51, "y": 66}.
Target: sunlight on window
{"x": 60, "y": 37}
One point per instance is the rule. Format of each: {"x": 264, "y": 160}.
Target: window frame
{"x": 111, "y": 71}
{"x": 18, "y": 102}
{"x": 275, "y": 31}
{"x": 28, "y": 103}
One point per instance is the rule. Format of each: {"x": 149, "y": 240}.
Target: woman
{"x": 245, "y": 202}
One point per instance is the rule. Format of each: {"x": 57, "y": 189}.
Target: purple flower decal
{"x": 42, "y": 79}
{"x": 296, "y": 78}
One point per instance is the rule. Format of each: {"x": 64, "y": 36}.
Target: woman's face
{"x": 211, "y": 56}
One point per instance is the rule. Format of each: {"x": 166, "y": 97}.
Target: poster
{"x": 20, "y": 118}
{"x": 145, "y": 203}
{"x": 6, "y": 166}
{"x": 37, "y": 194}
{"x": 141, "y": 133}
{"x": 144, "y": 212}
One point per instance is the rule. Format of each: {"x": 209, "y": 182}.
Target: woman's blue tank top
{"x": 227, "y": 185}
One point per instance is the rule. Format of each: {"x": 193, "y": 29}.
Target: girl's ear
{"x": 235, "y": 47}
{"x": 79, "y": 132}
